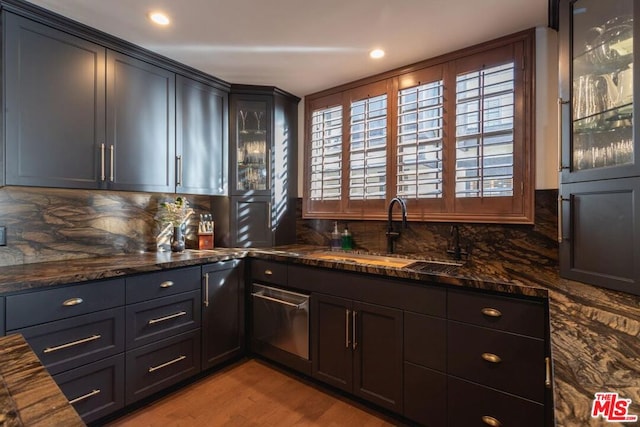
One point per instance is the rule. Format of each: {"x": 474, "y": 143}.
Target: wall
{"x": 49, "y": 224}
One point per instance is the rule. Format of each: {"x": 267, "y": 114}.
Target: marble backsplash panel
{"x": 535, "y": 243}
{"x": 50, "y": 224}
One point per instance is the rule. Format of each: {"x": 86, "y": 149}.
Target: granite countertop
{"x": 24, "y": 277}
{"x": 29, "y": 395}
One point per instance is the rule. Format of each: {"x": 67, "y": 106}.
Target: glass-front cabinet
{"x": 252, "y": 150}
{"x": 599, "y": 197}
{"x": 597, "y": 96}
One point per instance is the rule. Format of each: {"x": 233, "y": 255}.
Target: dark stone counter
{"x": 30, "y": 396}
{"x": 594, "y": 332}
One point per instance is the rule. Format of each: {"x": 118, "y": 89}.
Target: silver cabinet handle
{"x": 490, "y": 421}
{"x": 166, "y": 284}
{"x": 206, "y": 290}
{"x": 279, "y": 301}
{"x": 346, "y": 328}
{"x": 111, "y": 161}
{"x": 72, "y": 301}
{"x": 492, "y": 358}
{"x": 71, "y": 344}
{"x": 268, "y": 273}
{"x": 102, "y": 177}
{"x": 355, "y": 330}
{"x": 561, "y": 102}
{"x": 169, "y": 317}
{"x": 561, "y": 236}
{"x": 165, "y": 364}
{"x": 491, "y": 312}
{"x": 179, "y": 171}
{"x": 84, "y": 396}
{"x": 547, "y": 379}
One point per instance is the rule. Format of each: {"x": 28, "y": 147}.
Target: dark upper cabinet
{"x": 140, "y": 125}
{"x": 222, "y": 312}
{"x": 263, "y": 165}
{"x": 597, "y": 80}
{"x": 600, "y": 161}
{"x": 54, "y": 106}
{"x": 201, "y": 138}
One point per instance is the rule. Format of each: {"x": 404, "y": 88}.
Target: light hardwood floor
{"x": 252, "y": 393}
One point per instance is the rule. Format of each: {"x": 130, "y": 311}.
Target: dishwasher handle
{"x": 276, "y": 300}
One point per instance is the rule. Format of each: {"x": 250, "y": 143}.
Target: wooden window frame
{"x": 517, "y": 208}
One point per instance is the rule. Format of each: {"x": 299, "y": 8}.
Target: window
{"x": 452, "y": 136}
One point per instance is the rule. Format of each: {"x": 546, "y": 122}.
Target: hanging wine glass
{"x": 243, "y": 117}
{"x": 258, "y": 115}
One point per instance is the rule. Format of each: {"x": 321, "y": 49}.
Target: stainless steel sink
{"x": 384, "y": 261}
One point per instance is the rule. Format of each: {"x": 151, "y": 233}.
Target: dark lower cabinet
{"x": 470, "y": 404}
{"x": 222, "y": 312}
{"x": 357, "y": 347}
{"x": 425, "y": 395}
{"x": 95, "y": 390}
{"x": 154, "y": 367}
{"x": 600, "y": 230}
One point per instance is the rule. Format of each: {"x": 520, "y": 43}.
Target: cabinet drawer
{"x": 162, "y": 283}
{"x": 156, "y": 366}
{"x": 60, "y": 303}
{"x": 95, "y": 390}
{"x": 425, "y": 395}
{"x": 150, "y": 321}
{"x": 69, "y": 343}
{"x": 509, "y": 362}
{"x": 269, "y": 272}
{"x": 521, "y": 316}
{"x": 473, "y": 405}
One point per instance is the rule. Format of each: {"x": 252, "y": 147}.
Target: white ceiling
{"x": 304, "y": 46}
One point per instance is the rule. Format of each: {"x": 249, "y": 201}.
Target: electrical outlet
{"x": 3, "y": 236}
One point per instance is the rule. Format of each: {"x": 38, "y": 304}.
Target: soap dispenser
{"x": 347, "y": 240}
{"x": 336, "y": 240}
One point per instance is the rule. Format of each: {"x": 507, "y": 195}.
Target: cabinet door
{"x": 597, "y": 89}
{"x": 252, "y": 117}
{"x": 55, "y": 100}
{"x": 377, "y": 343}
{"x": 201, "y": 138}
{"x": 599, "y": 230}
{"x": 251, "y": 221}
{"x": 222, "y": 312}
{"x": 140, "y": 125}
{"x": 332, "y": 356}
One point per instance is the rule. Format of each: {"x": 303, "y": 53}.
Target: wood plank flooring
{"x": 252, "y": 393}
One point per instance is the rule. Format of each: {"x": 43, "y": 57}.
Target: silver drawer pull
{"x": 490, "y": 357}
{"x": 491, "y": 312}
{"x": 490, "y": 421}
{"x": 71, "y": 344}
{"x": 85, "y": 396}
{"x": 169, "y": 363}
{"x": 166, "y": 284}
{"x": 276, "y": 300}
{"x": 169, "y": 317}
{"x": 72, "y": 301}
{"x": 268, "y": 273}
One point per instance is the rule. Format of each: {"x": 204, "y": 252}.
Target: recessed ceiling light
{"x": 376, "y": 53}
{"x": 159, "y": 18}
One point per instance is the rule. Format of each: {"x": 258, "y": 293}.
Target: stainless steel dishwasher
{"x": 281, "y": 319}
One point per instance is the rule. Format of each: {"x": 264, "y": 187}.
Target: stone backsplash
{"x": 50, "y": 224}
{"x": 526, "y": 243}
